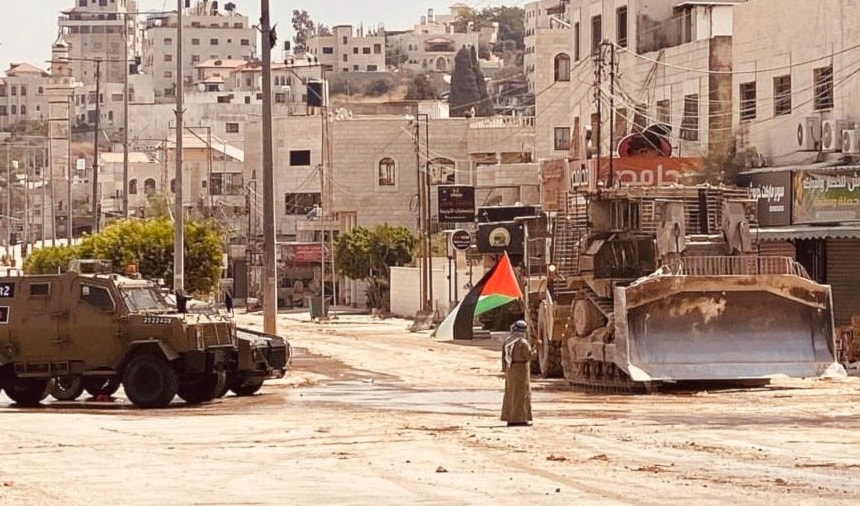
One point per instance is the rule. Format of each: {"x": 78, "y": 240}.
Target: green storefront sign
{"x": 831, "y": 196}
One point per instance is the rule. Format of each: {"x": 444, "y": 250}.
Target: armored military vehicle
{"x": 633, "y": 287}
{"x": 99, "y": 331}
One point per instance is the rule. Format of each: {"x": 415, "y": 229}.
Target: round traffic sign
{"x": 461, "y": 239}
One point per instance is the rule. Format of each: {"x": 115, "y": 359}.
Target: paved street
{"x": 374, "y": 414}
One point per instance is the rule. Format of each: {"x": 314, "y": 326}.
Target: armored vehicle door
{"x": 7, "y": 296}
{"x": 40, "y": 312}
{"x": 94, "y": 322}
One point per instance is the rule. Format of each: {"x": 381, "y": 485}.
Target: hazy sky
{"x": 27, "y": 35}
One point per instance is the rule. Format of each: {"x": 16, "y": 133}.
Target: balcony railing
{"x": 504, "y": 122}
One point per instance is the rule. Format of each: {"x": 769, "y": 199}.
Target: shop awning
{"x": 807, "y": 232}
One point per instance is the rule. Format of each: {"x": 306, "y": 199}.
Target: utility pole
{"x": 421, "y": 214}
{"x": 611, "y": 114}
{"x": 598, "y": 78}
{"x": 96, "y": 204}
{"x": 270, "y": 286}
{"x": 69, "y": 222}
{"x": 179, "y": 212}
{"x": 125, "y": 119}
{"x": 428, "y": 235}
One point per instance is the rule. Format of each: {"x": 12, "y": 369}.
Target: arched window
{"x": 23, "y": 109}
{"x": 562, "y": 67}
{"x": 173, "y": 186}
{"x": 23, "y": 90}
{"x": 149, "y": 186}
{"x": 387, "y": 172}
{"x": 41, "y": 90}
{"x": 132, "y": 187}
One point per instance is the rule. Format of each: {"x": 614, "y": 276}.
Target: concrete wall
{"x": 406, "y": 287}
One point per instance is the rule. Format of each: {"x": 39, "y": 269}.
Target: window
{"x": 355, "y": 68}
{"x": 747, "y": 101}
{"x": 168, "y": 74}
{"x": 355, "y": 50}
{"x": 132, "y": 187}
{"x": 640, "y": 118}
{"x": 690, "y": 121}
{"x": 195, "y": 58}
{"x": 41, "y": 90}
{"x": 23, "y": 109}
{"x": 372, "y": 68}
{"x": 226, "y": 183}
{"x": 345, "y": 57}
{"x": 232, "y": 128}
{"x": 168, "y": 57}
{"x": 663, "y": 112}
{"x": 245, "y": 42}
{"x": 596, "y": 34}
{"x": 377, "y": 49}
{"x": 365, "y": 50}
{"x": 40, "y": 289}
{"x": 14, "y": 91}
{"x": 23, "y": 90}
{"x": 149, "y": 186}
{"x": 14, "y": 109}
{"x": 195, "y": 42}
{"x": 781, "y": 95}
{"x": 327, "y": 50}
{"x": 301, "y": 203}
{"x": 2, "y": 90}
{"x": 97, "y": 297}
{"x": 823, "y": 88}
{"x": 173, "y": 185}
{"x": 300, "y": 158}
{"x": 562, "y": 67}
{"x": 345, "y": 40}
{"x": 2, "y": 110}
{"x": 576, "y": 36}
{"x": 168, "y": 41}
{"x": 280, "y": 98}
{"x": 561, "y": 139}
{"x": 386, "y": 172}
{"x": 621, "y": 26}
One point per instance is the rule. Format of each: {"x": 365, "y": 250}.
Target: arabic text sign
{"x": 826, "y": 196}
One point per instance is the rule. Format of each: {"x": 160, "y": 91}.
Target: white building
{"x": 209, "y": 33}
{"x": 348, "y": 51}
{"x": 101, "y": 30}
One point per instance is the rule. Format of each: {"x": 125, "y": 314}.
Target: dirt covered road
{"x": 374, "y": 414}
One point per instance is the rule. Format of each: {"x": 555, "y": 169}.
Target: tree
{"x": 304, "y": 27}
{"x": 510, "y": 19}
{"x": 468, "y": 88}
{"x": 379, "y": 87}
{"x": 420, "y": 88}
{"x": 147, "y": 244}
{"x": 369, "y": 255}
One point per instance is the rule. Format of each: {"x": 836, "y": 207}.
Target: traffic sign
{"x": 461, "y": 239}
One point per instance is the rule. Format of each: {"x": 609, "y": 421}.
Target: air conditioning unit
{"x": 831, "y": 133}
{"x": 851, "y": 141}
{"x": 808, "y": 132}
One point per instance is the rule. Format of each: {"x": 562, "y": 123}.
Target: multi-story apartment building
{"x": 655, "y": 62}
{"x": 432, "y": 44}
{"x": 103, "y": 30}
{"x": 23, "y": 95}
{"x": 208, "y": 32}
{"x": 796, "y": 115}
{"x": 348, "y": 51}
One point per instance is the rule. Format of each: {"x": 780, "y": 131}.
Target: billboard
{"x": 456, "y": 203}
{"x": 826, "y": 196}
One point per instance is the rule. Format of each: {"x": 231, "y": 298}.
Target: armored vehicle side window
{"x": 40, "y": 289}
{"x": 97, "y": 297}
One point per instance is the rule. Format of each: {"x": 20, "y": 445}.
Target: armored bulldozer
{"x": 634, "y": 287}
{"x": 100, "y": 331}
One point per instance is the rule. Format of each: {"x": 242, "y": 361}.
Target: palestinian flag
{"x": 498, "y": 287}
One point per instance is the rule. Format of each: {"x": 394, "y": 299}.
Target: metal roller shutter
{"x": 843, "y": 275}
{"x": 776, "y": 248}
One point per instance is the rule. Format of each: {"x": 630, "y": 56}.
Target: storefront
{"x": 813, "y": 215}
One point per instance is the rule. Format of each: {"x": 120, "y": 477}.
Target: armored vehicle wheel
{"x": 549, "y": 356}
{"x": 28, "y": 391}
{"x": 248, "y": 389}
{"x": 67, "y": 388}
{"x": 150, "y": 381}
{"x": 204, "y": 390}
{"x": 101, "y": 386}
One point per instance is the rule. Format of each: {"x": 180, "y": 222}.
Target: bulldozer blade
{"x": 679, "y": 328}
